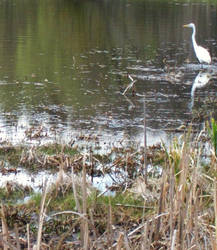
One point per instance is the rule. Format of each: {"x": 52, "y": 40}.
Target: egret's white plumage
{"x": 202, "y": 54}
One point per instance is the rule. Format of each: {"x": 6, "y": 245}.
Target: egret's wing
{"x": 203, "y": 54}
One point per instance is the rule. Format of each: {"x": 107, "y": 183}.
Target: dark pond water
{"x": 64, "y": 65}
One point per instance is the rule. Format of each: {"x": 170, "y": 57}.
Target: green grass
{"x": 213, "y": 134}
{"x": 54, "y": 149}
{"x": 11, "y": 154}
{"x": 35, "y": 199}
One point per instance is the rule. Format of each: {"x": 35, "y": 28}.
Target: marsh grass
{"x": 12, "y": 192}
{"x": 213, "y": 134}
{"x": 174, "y": 209}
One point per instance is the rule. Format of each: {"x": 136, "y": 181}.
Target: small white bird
{"x": 202, "y": 54}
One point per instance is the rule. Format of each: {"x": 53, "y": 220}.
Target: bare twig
{"x": 130, "y": 85}
{"x": 28, "y": 237}
{"x": 17, "y": 236}
{"x": 120, "y": 241}
{"x": 84, "y": 206}
{"x": 173, "y": 240}
{"x": 77, "y": 203}
{"x": 41, "y": 216}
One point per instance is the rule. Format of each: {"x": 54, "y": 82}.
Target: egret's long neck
{"x": 193, "y": 37}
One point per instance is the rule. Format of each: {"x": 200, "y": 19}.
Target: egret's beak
{"x": 185, "y": 26}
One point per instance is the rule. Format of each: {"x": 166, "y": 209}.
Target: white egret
{"x": 202, "y": 54}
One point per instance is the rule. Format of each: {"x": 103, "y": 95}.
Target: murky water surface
{"x": 64, "y": 66}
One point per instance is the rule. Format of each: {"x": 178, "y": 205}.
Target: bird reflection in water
{"x": 200, "y": 81}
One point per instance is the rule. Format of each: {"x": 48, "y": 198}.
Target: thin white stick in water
{"x": 130, "y": 102}
{"x": 130, "y": 85}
